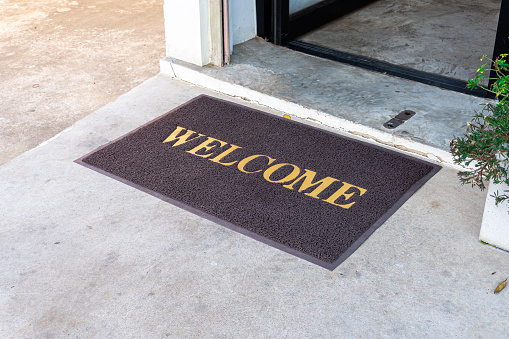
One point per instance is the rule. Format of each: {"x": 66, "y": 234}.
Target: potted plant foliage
{"x": 484, "y": 150}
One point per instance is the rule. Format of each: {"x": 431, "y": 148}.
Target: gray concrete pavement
{"x": 82, "y": 255}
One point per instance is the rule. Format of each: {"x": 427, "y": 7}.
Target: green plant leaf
{"x": 481, "y": 69}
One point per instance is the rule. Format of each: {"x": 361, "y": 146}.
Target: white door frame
{"x": 194, "y": 29}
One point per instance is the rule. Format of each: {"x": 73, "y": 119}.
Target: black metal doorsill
{"x": 386, "y": 68}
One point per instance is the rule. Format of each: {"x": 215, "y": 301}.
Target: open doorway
{"x": 436, "y": 42}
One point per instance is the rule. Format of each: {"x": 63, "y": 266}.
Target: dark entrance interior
{"x": 435, "y": 42}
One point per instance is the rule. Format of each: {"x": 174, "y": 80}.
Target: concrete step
{"x": 340, "y": 96}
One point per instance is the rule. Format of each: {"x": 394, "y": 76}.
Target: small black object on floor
{"x": 306, "y": 191}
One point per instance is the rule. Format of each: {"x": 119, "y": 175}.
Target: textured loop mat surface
{"x": 308, "y": 192}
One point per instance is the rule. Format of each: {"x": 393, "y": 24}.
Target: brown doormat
{"x": 308, "y": 192}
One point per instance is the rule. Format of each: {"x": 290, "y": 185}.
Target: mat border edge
{"x": 330, "y": 266}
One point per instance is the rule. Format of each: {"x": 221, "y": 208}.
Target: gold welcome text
{"x": 297, "y": 179}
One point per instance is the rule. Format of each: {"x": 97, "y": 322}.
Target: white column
{"x": 186, "y": 24}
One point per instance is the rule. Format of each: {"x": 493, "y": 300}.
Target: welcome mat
{"x": 308, "y": 192}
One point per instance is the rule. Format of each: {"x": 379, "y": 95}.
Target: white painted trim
{"x": 166, "y": 67}
{"x": 369, "y": 134}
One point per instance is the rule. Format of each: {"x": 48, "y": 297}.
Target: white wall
{"x": 242, "y": 21}
{"x": 297, "y": 5}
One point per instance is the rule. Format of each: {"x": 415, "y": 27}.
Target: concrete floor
{"x": 85, "y": 256}
{"x": 62, "y": 60}
{"x": 436, "y": 36}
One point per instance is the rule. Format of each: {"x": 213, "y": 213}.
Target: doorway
{"x": 435, "y": 42}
